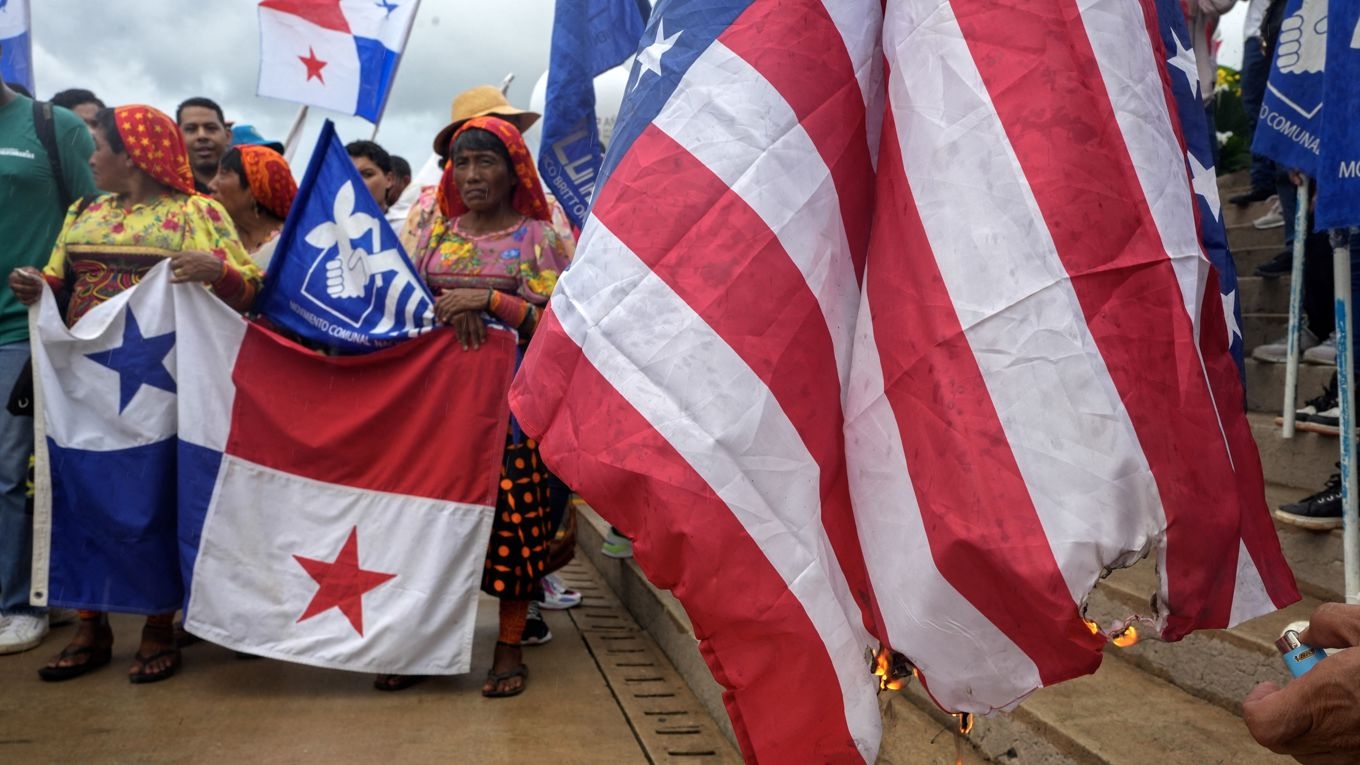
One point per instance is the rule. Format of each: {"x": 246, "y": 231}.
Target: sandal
{"x": 142, "y": 676}
{"x": 499, "y": 677}
{"x": 98, "y": 656}
{"x": 397, "y": 682}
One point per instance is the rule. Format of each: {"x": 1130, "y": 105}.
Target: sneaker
{"x": 536, "y": 630}
{"x": 1318, "y": 512}
{"x": 1278, "y": 351}
{"x": 1278, "y": 266}
{"x": 616, "y": 545}
{"x": 22, "y": 632}
{"x": 1255, "y": 195}
{"x": 1320, "y": 406}
{"x": 556, "y": 595}
{"x": 1323, "y": 354}
{"x": 1272, "y": 219}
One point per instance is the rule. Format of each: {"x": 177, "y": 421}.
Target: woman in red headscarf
{"x": 256, "y": 186}
{"x": 151, "y": 213}
{"x": 493, "y": 251}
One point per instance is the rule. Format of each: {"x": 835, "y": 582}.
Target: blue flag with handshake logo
{"x": 589, "y": 37}
{"x": 339, "y": 277}
{"x": 1338, "y": 171}
{"x": 1290, "y": 126}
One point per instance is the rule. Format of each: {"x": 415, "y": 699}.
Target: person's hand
{"x": 195, "y": 267}
{"x": 1316, "y": 718}
{"x": 26, "y": 284}
{"x": 451, "y": 302}
{"x": 468, "y": 326}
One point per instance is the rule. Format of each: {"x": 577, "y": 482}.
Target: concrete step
{"x": 1317, "y": 558}
{"x": 1239, "y": 216}
{"x": 1265, "y": 384}
{"x": 1234, "y": 180}
{"x": 1248, "y": 258}
{"x": 1301, "y": 462}
{"x": 1262, "y": 328}
{"x": 1246, "y": 235}
{"x": 1258, "y": 295}
{"x": 1118, "y": 716}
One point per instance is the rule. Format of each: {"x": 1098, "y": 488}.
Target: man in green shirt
{"x": 31, "y": 215}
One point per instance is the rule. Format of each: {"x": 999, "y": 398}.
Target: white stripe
{"x": 970, "y": 664}
{"x": 732, "y": 120}
{"x": 1065, "y": 422}
{"x": 284, "y": 40}
{"x": 210, "y": 337}
{"x": 860, "y": 23}
{"x": 718, "y": 414}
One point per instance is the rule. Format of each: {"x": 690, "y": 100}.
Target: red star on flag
{"x": 314, "y": 65}
{"x": 342, "y": 583}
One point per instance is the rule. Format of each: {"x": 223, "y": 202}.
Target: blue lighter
{"x": 1298, "y": 657}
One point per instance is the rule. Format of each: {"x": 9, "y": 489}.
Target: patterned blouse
{"x": 107, "y": 249}
{"x": 520, "y": 263}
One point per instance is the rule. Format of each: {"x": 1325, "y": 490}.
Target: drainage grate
{"x": 666, "y": 718}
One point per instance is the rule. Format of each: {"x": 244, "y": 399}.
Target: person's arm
{"x": 542, "y": 260}
{"x": 1316, "y": 717}
{"x": 234, "y": 277}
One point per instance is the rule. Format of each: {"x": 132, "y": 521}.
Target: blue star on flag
{"x": 138, "y": 361}
{"x": 387, "y": 5}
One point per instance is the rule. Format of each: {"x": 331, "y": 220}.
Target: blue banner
{"x": 1338, "y": 172}
{"x": 16, "y": 46}
{"x": 339, "y": 277}
{"x": 589, "y": 37}
{"x": 1290, "y": 126}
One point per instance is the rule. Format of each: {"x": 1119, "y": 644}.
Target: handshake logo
{"x": 359, "y": 282}
{"x": 1303, "y": 39}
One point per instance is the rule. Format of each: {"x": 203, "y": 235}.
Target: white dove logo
{"x": 357, "y": 272}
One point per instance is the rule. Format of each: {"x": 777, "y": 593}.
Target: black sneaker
{"x": 536, "y": 630}
{"x": 1255, "y": 195}
{"x": 1317, "y": 512}
{"x": 1323, "y": 409}
{"x": 1278, "y": 266}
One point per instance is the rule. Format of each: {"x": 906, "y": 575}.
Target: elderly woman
{"x": 492, "y": 251}
{"x": 256, "y": 186}
{"x": 107, "y": 245}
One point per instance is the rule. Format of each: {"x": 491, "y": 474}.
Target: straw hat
{"x": 477, "y": 102}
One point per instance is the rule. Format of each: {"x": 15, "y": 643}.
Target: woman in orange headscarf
{"x": 256, "y": 186}
{"x": 107, "y": 245}
{"x": 493, "y": 251}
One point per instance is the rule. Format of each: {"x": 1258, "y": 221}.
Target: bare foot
{"x": 158, "y": 657}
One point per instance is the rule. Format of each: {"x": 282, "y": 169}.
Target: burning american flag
{"x": 895, "y": 328}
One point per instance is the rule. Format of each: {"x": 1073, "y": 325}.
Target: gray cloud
{"x": 163, "y": 51}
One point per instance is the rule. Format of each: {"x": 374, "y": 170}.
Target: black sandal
{"x": 397, "y": 682}
{"x": 142, "y": 676}
{"x": 99, "y": 655}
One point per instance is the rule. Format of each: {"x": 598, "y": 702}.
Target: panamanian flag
{"x": 336, "y": 54}
{"x": 16, "y": 43}
{"x": 331, "y": 511}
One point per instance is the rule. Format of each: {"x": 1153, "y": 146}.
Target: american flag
{"x": 895, "y": 326}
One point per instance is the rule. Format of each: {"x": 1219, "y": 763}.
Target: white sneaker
{"x": 1272, "y": 219}
{"x": 1278, "y": 351}
{"x": 22, "y": 633}
{"x": 1323, "y": 353}
{"x": 556, "y": 596}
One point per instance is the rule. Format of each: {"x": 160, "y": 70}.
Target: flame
{"x": 890, "y": 677}
{"x": 1125, "y": 637}
{"x": 965, "y": 723}
{"x": 1092, "y": 626}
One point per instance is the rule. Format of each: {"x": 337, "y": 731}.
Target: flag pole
{"x": 294, "y": 134}
{"x": 1345, "y": 378}
{"x": 396, "y": 69}
{"x": 1291, "y": 368}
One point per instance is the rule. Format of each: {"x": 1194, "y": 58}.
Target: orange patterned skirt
{"x": 517, "y": 553}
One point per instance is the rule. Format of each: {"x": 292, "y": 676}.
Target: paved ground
{"x": 224, "y": 710}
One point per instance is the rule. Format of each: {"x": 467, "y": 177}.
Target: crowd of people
{"x": 101, "y": 195}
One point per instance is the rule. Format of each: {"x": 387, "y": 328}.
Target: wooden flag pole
{"x": 294, "y": 134}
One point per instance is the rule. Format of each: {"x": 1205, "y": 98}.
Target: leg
{"x": 1255, "y": 71}
{"x": 16, "y": 512}
{"x": 90, "y": 648}
{"x": 158, "y": 657}
{"x": 508, "y": 673}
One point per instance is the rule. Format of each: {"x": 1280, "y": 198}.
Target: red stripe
{"x": 1258, "y": 531}
{"x": 985, "y": 535}
{"x": 754, "y": 634}
{"x": 424, "y": 418}
{"x": 717, "y": 254}
{"x": 819, "y": 85}
{"x": 323, "y": 13}
{"x": 1063, "y": 129}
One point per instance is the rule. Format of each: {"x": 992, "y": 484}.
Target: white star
{"x": 1230, "y": 315}
{"x": 1204, "y": 183}
{"x": 650, "y": 57}
{"x": 1184, "y": 60}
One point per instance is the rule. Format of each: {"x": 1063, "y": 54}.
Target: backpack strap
{"x": 46, "y": 128}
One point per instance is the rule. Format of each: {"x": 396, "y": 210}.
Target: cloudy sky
{"x": 163, "y": 51}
